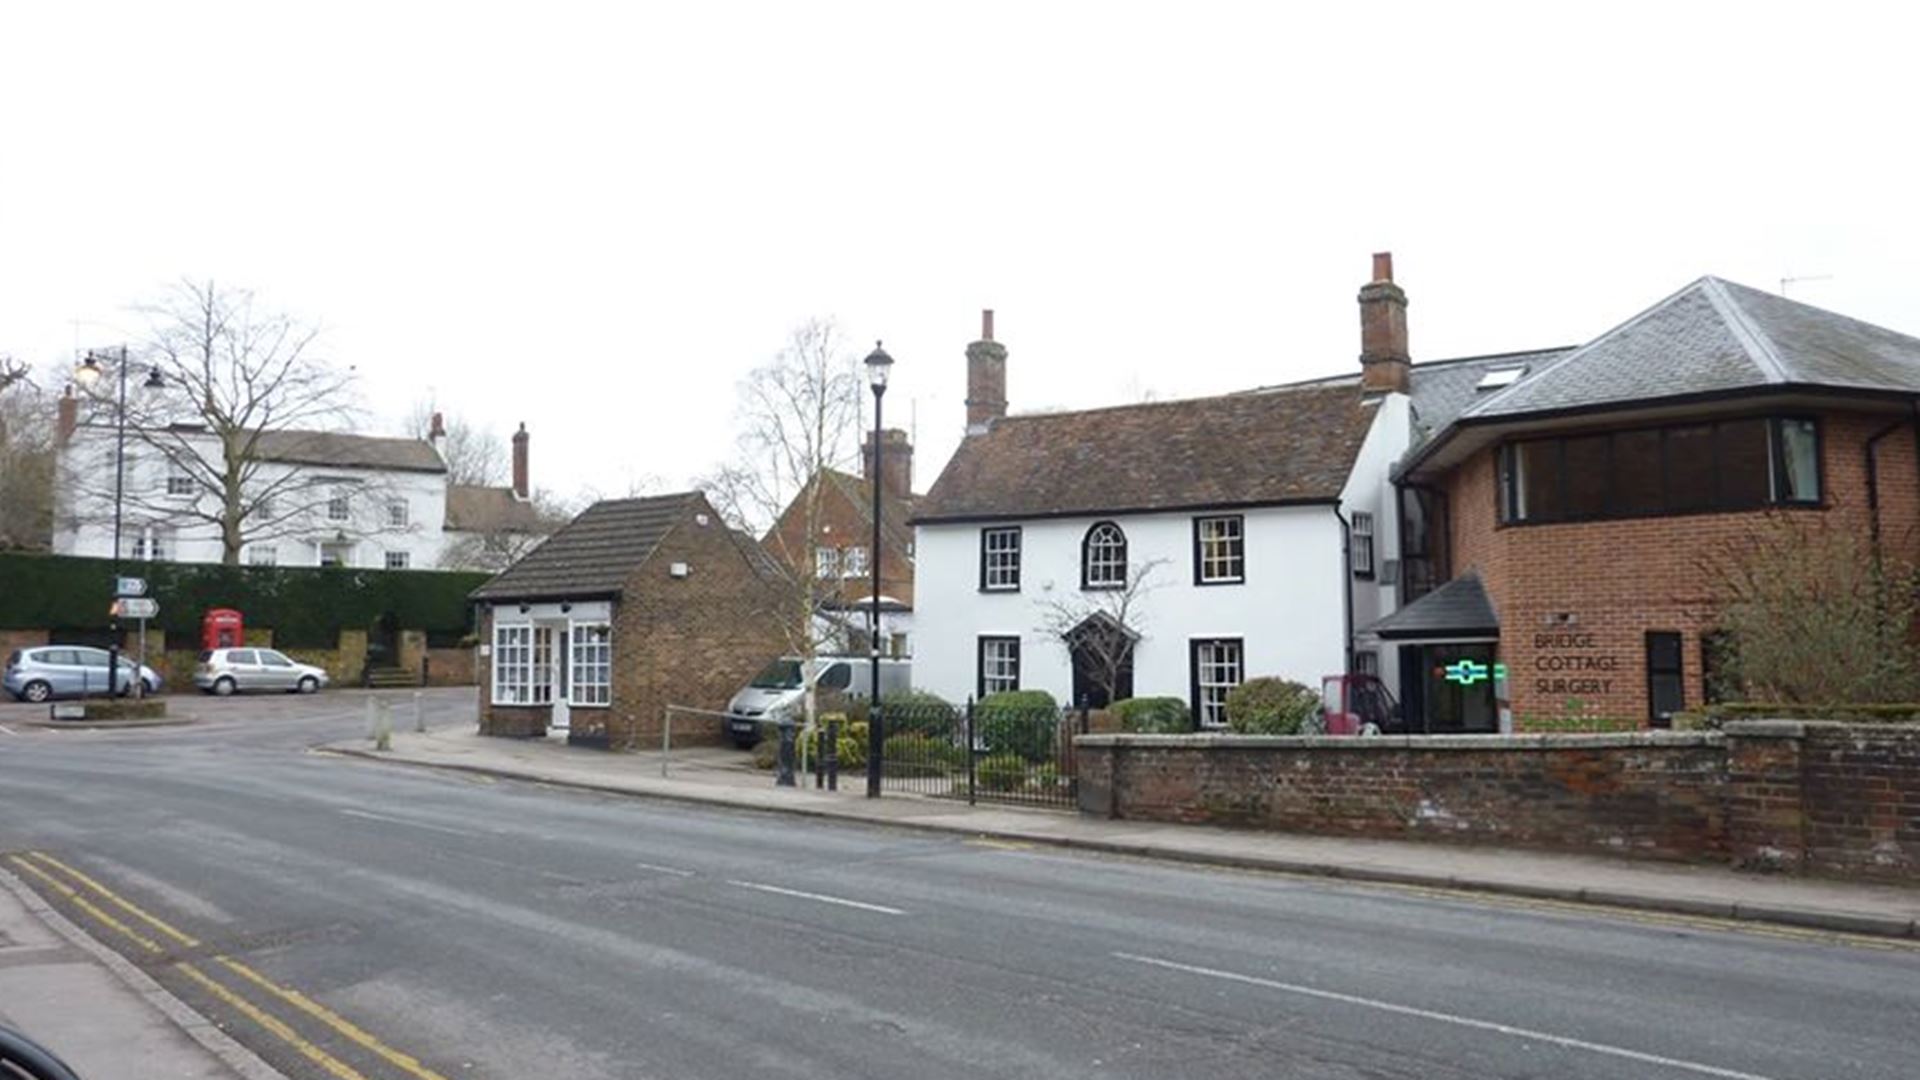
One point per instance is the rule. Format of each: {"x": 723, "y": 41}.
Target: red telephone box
{"x": 222, "y": 628}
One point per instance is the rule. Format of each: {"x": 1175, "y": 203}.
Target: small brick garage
{"x": 634, "y": 605}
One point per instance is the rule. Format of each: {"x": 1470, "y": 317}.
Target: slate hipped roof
{"x": 1715, "y": 335}
{"x": 1458, "y": 609}
{"x": 595, "y": 553}
{"x": 1292, "y": 444}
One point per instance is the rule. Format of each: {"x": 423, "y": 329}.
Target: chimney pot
{"x": 1383, "y": 266}
{"x": 986, "y": 325}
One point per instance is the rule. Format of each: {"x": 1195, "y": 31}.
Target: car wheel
{"x": 36, "y": 692}
{"x": 224, "y": 686}
{"x": 309, "y": 684}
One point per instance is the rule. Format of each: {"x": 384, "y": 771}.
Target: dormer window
{"x": 1103, "y": 557}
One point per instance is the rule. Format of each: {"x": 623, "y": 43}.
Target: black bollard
{"x": 830, "y": 754}
{"x": 783, "y": 771}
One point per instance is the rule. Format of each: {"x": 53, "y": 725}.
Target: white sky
{"x": 596, "y": 219}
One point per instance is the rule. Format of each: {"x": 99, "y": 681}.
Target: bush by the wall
{"x": 306, "y": 607}
{"x": 1022, "y": 722}
{"x": 1153, "y": 715}
{"x": 1715, "y": 716}
{"x": 1270, "y": 706}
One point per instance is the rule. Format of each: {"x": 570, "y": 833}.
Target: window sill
{"x": 1000, "y": 588}
{"x": 1114, "y": 587}
{"x": 1220, "y": 581}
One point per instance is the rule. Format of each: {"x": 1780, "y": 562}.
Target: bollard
{"x": 371, "y": 726}
{"x": 383, "y": 726}
{"x": 783, "y": 775}
{"x": 419, "y": 714}
{"x": 830, "y": 754}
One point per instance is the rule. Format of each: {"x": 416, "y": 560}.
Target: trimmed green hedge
{"x": 306, "y": 607}
{"x": 1153, "y": 715}
{"x": 1714, "y": 716}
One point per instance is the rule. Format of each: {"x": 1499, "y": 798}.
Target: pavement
{"x": 725, "y": 777}
{"x": 65, "y": 991}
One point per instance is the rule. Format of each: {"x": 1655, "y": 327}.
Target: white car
{"x": 227, "y": 671}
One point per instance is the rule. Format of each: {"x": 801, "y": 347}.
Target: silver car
{"x": 226, "y": 671}
{"x": 51, "y": 671}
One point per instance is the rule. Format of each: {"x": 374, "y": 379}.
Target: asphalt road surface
{"x": 347, "y": 919}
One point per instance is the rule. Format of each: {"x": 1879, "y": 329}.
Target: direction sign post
{"x": 136, "y": 607}
{"x": 130, "y": 586}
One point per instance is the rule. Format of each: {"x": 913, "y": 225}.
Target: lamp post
{"x": 88, "y": 374}
{"x": 878, "y": 364}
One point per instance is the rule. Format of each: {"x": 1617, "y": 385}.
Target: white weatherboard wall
{"x": 1290, "y": 612}
{"x": 1370, "y": 489}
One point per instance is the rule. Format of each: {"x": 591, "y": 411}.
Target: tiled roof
{"x": 1711, "y": 336}
{"x": 895, "y": 511}
{"x": 595, "y": 553}
{"x": 1460, "y": 608}
{"x": 1443, "y": 389}
{"x": 472, "y": 508}
{"x": 1285, "y": 444}
{"x": 346, "y": 450}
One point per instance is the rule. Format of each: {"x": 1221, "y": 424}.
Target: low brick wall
{"x": 1650, "y": 793}
{"x": 1789, "y": 795}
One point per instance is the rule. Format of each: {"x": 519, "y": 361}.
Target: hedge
{"x": 1714, "y": 716}
{"x": 306, "y": 607}
{"x": 1153, "y": 715}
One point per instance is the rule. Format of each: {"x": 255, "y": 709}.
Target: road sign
{"x": 137, "y": 607}
{"x": 130, "y": 586}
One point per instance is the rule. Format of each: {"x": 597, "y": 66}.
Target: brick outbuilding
{"x": 634, "y": 605}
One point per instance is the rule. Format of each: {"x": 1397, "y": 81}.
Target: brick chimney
{"x": 1385, "y": 364}
{"x": 67, "y": 419}
{"x": 437, "y": 435}
{"x": 896, "y": 462}
{"x": 986, "y": 378}
{"x": 520, "y": 461}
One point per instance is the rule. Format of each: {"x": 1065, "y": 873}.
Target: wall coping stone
{"x": 1775, "y": 729}
{"x": 1536, "y": 741}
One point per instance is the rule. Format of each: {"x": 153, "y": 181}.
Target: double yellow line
{"x": 89, "y": 896}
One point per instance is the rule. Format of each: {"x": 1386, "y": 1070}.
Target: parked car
{"x": 228, "y": 671}
{"x": 779, "y": 690}
{"x": 52, "y": 671}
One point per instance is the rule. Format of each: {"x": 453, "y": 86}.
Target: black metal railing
{"x": 981, "y": 752}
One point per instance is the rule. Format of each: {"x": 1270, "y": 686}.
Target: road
{"x": 450, "y": 926}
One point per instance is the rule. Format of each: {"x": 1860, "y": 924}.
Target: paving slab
{"x": 725, "y": 777}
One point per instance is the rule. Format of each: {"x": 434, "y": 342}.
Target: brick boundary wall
{"x": 1785, "y": 795}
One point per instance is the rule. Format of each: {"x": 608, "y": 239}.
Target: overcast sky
{"x": 596, "y": 219}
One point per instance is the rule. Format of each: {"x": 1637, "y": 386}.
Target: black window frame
{"x": 1193, "y": 678}
{"x": 1087, "y": 584}
{"x": 1363, "y": 572}
{"x": 1507, "y": 478}
{"x": 1678, "y": 674}
{"x": 1199, "y": 562}
{"x": 980, "y": 662}
{"x": 1019, "y": 550}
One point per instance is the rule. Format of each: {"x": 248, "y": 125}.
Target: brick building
{"x": 837, "y": 557}
{"x": 634, "y": 605}
{"x": 1565, "y": 524}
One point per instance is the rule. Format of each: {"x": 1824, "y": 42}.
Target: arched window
{"x": 1103, "y": 557}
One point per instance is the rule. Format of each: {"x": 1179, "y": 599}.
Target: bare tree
{"x": 797, "y": 417}
{"x": 502, "y": 542}
{"x": 1810, "y": 613}
{"x": 1103, "y": 625}
{"x": 26, "y": 460}
{"x": 243, "y": 396}
{"x": 475, "y": 455}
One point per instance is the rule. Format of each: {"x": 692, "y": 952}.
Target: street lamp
{"x": 88, "y": 374}
{"x": 878, "y": 364}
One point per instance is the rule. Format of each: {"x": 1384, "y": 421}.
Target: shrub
{"x": 1002, "y": 772}
{"x": 1153, "y": 715}
{"x": 923, "y": 713}
{"x": 1022, "y": 722}
{"x": 1270, "y": 706}
{"x": 851, "y": 746}
{"x": 915, "y": 749}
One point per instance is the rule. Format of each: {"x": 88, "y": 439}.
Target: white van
{"x": 779, "y": 691}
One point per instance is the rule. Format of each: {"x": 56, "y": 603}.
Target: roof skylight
{"x": 1499, "y": 377}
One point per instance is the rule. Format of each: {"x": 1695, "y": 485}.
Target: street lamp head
{"x": 88, "y": 372}
{"x": 154, "y": 381}
{"x": 878, "y": 363}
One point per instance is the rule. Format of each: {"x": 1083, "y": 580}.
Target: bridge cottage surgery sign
{"x": 1570, "y": 663}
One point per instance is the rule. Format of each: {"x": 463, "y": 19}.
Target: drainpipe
{"x": 1873, "y": 475}
{"x": 1346, "y": 578}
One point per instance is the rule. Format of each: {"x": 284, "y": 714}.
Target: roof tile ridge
{"x": 1758, "y": 345}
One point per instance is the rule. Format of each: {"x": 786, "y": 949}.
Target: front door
{"x": 550, "y": 673}
{"x": 1457, "y": 688}
{"x": 1102, "y": 663}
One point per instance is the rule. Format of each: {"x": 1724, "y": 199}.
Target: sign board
{"x": 137, "y": 607}
{"x": 130, "y": 586}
